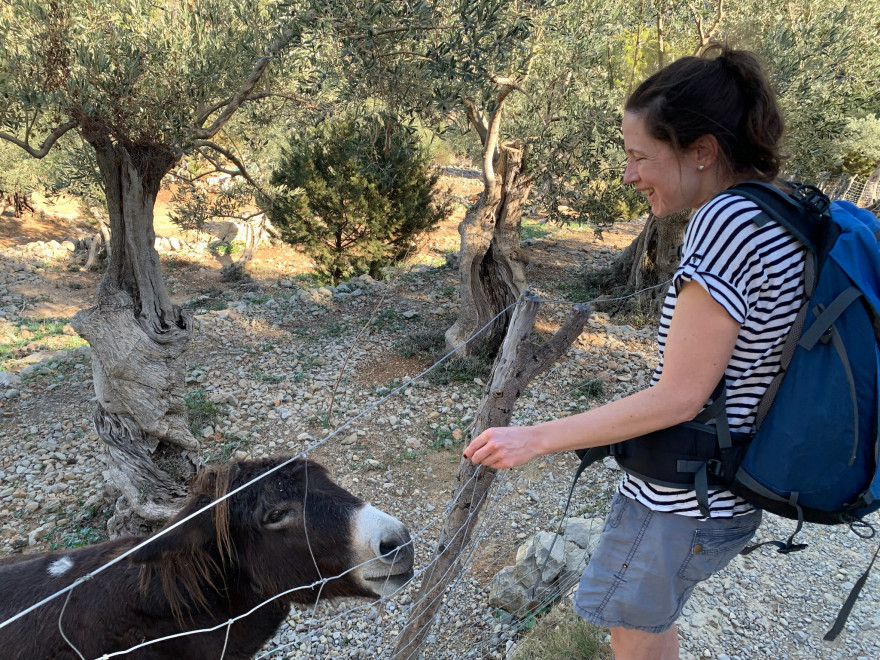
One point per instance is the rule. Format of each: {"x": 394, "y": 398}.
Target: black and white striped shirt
{"x": 756, "y": 274}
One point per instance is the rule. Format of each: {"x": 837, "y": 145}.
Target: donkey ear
{"x": 183, "y": 539}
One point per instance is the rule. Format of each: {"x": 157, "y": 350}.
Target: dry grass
{"x": 563, "y": 635}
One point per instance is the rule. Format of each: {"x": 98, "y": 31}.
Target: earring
{"x": 701, "y": 167}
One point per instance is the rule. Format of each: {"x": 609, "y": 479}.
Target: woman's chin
{"x": 661, "y": 211}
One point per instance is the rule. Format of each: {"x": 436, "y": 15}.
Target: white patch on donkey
{"x": 60, "y": 566}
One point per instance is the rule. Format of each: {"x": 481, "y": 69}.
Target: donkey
{"x": 294, "y": 536}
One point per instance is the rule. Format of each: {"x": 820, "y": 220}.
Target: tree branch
{"x": 705, "y": 37}
{"x": 494, "y": 131}
{"x": 475, "y": 116}
{"x": 242, "y": 170}
{"x": 47, "y": 143}
{"x": 243, "y": 94}
{"x": 203, "y": 117}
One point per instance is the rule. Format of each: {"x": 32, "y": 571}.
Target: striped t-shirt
{"x": 756, "y": 274}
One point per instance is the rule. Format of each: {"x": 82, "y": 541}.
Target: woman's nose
{"x": 630, "y": 175}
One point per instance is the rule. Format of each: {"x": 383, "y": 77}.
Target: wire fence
{"x": 308, "y": 630}
{"x": 466, "y": 627}
{"x": 314, "y": 630}
{"x": 860, "y": 191}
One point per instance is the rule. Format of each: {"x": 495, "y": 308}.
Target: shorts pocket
{"x": 616, "y": 511}
{"x": 712, "y": 549}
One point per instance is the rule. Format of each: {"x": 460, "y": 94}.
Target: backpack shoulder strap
{"x": 798, "y": 212}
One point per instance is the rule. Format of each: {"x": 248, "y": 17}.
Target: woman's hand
{"x": 503, "y": 447}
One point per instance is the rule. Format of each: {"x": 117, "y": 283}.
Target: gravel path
{"x": 270, "y": 359}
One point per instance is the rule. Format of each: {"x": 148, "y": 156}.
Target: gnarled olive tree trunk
{"x": 491, "y": 261}
{"x": 138, "y": 340}
{"x": 648, "y": 261}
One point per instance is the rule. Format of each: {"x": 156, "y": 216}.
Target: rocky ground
{"x": 273, "y": 356}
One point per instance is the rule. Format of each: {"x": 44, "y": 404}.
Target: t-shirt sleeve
{"x": 719, "y": 254}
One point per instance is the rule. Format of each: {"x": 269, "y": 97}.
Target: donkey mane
{"x": 270, "y": 544}
{"x": 186, "y": 571}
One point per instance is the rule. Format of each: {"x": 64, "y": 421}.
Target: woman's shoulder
{"x": 730, "y": 206}
{"x": 725, "y": 215}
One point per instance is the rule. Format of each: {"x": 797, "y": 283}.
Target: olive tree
{"x": 821, "y": 59}
{"x": 142, "y": 84}
{"x": 526, "y": 78}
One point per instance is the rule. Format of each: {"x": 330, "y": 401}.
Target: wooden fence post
{"x": 517, "y": 363}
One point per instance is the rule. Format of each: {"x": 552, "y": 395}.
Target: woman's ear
{"x": 705, "y": 150}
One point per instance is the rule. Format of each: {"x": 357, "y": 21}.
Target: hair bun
{"x": 724, "y": 93}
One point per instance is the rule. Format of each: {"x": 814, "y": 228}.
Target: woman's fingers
{"x": 481, "y": 449}
{"x": 497, "y": 448}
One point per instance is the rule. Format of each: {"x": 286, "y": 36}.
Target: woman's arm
{"x": 699, "y": 346}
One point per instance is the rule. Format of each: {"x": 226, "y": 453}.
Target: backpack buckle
{"x": 812, "y": 199}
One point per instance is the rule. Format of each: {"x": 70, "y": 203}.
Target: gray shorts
{"x": 647, "y": 564}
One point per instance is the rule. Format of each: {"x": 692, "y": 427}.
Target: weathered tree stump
{"x": 649, "y": 260}
{"x": 518, "y": 362}
{"x": 491, "y": 262}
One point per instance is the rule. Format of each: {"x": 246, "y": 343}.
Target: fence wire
{"x": 495, "y": 510}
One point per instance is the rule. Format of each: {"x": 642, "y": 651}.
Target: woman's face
{"x": 671, "y": 180}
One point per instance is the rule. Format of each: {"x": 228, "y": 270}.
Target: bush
{"x": 354, "y": 193}
{"x": 857, "y": 149}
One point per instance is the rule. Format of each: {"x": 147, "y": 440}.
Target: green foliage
{"x": 37, "y": 334}
{"x": 822, "y": 58}
{"x": 355, "y": 194}
{"x": 533, "y": 229}
{"x": 132, "y": 69}
{"x": 89, "y": 527}
{"x": 431, "y": 346}
{"x": 858, "y": 149}
{"x": 200, "y": 410}
{"x": 229, "y": 249}
{"x": 222, "y": 450}
{"x": 546, "y": 64}
{"x": 583, "y": 288}
{"x": 19, "y": 173}
{"x": 73, "y": 170}
{"x": 234, "y": 273}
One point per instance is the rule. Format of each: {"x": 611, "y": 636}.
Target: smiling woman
{"x": 691, "y": 130}
{"x": 671, "y": 180}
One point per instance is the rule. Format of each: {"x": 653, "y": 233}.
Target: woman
{"x": 692, "y": 130}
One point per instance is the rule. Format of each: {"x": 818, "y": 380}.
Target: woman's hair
{"x": 724, "y": 93}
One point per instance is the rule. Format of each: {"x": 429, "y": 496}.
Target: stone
{"x": 9, "y": 379}
{"x": 508, "y": 594}
{"x": 611, "y": 463}
{"x": 583, "y": 532}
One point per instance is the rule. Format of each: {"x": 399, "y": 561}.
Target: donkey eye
{"x": 274, "y": 516}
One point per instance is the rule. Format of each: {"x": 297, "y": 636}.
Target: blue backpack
{"x": 813, "y": 455}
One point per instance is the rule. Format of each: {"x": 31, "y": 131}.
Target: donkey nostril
{"x": 387, "y": 548}
{"x": 397, "y": 551}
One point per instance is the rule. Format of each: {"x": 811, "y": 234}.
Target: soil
{"x": 58, "y": 398}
